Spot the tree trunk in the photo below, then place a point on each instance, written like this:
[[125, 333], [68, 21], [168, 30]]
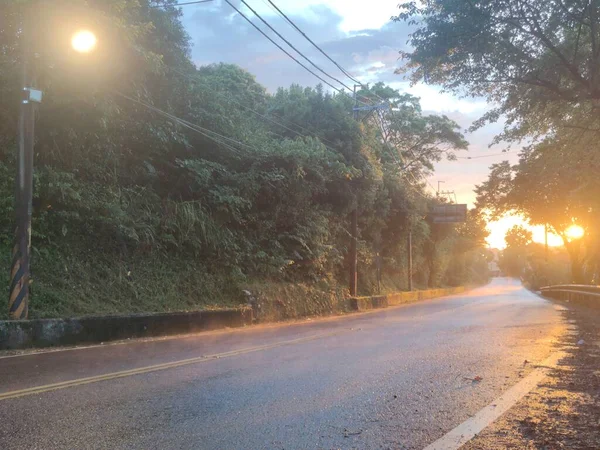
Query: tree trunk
[[574, 251]]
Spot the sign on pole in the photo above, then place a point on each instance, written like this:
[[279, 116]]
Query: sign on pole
[[449, 213]]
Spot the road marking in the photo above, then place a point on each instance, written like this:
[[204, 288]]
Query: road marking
[[467, 430], [157, 367]]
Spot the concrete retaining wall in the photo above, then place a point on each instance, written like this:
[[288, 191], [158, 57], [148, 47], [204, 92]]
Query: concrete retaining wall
[[399, 298], [18, 334]]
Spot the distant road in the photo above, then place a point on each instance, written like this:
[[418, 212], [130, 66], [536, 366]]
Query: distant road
[[396, 378]]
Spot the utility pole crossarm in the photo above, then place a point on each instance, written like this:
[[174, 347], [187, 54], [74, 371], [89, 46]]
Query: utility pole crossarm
[[381, 106]]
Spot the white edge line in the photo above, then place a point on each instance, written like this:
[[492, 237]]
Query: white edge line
[[471, 427]]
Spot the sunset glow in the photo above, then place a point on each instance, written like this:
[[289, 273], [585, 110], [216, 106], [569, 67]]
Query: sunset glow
[[499, 228]]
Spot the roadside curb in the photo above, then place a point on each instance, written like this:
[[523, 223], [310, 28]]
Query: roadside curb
[[399, 298], [43, 333], [21, 334]]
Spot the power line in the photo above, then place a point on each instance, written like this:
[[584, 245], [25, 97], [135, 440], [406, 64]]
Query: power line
[[192, 3], [279, 46], [182, 4], [287, 42], [344, 71], [286, 52], [203, 131], [271, 8], [293, 24], [198, 80], [276, 9], [291, 45], [483, 156]]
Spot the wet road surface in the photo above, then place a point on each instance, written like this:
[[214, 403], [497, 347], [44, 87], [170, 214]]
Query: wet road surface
[[395, 378]]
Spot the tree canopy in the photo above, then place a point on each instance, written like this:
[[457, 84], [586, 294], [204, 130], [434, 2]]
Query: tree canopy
[[159, 180], [539, 62], [538, 65]]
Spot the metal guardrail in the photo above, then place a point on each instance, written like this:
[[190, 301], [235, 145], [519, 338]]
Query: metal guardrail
[[581, 293]]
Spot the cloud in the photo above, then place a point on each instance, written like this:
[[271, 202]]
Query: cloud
[[218, 35]]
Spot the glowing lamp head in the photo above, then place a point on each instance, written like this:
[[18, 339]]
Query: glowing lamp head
[[84, 41], [575, 232]]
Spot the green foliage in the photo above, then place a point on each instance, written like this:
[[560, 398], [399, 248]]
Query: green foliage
[[538, 63], [552, 188], [537, 60], [518, 236], [513, 259], [531, 262], [134, 211]]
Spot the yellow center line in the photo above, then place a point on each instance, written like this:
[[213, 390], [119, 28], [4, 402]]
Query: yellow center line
[[157, 367]]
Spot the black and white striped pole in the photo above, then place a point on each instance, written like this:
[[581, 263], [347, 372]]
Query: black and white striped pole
[[20, 274], [83, 41]]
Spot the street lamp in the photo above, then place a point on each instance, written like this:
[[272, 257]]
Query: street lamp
[[83, 41]]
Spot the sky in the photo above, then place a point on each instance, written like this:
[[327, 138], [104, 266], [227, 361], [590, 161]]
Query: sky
[[361, 37]]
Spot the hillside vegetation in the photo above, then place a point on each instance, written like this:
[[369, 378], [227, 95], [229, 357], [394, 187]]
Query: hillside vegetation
[[138, 211]]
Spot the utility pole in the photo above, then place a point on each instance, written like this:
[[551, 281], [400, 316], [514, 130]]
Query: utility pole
[[354, 216], [378, 267], [546, 241], [20, 274], [410, 261], [438, 189], [354, 228]]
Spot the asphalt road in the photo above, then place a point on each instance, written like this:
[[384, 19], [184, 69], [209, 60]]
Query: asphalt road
[[396, 378]]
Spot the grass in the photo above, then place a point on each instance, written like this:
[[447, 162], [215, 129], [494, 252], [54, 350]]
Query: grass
[[86, 281], [281, 301], [80, 280]]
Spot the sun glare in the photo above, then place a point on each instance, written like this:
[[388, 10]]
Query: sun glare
[[84, 41], [575, 232], [499, 228]]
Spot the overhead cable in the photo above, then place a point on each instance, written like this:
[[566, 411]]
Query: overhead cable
[[291, 45], [291, 22], [483, 156], [340, 91], [203, 131], [198, 80]]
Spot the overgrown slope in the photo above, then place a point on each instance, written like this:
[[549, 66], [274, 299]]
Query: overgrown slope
[[162, 186]]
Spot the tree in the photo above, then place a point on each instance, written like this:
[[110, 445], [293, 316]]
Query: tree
[[415, 140], [518, 237], [538, 61], [513, 260], [548, 187]]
